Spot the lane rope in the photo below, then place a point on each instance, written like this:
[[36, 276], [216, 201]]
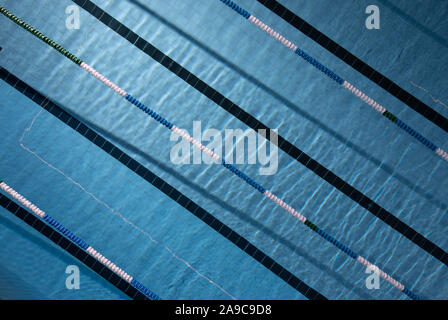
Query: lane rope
[[355, 63], [213, 155], [332, 75], [78, 241], [71, 248]]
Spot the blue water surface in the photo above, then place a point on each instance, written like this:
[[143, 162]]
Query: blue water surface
[[162, 244]]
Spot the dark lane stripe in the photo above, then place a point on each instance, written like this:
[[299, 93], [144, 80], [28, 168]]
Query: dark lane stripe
[[162, 185], [356, 63], [255, 124], [55, 236]]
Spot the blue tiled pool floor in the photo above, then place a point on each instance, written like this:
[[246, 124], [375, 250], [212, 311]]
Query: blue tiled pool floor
[[148, 234]]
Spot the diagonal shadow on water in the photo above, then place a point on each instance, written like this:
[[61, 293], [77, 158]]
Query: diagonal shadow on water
[[238, 213], [406, 17], [388, 169]]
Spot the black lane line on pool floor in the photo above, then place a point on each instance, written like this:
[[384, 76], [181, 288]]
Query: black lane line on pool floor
[[55, 236], [162, 185], [255, 124], [356, 63]]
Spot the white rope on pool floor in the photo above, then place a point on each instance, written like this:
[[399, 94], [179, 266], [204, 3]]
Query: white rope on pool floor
[[117, 212]]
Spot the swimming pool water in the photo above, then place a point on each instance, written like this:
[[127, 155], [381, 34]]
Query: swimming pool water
[[151, 236]]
